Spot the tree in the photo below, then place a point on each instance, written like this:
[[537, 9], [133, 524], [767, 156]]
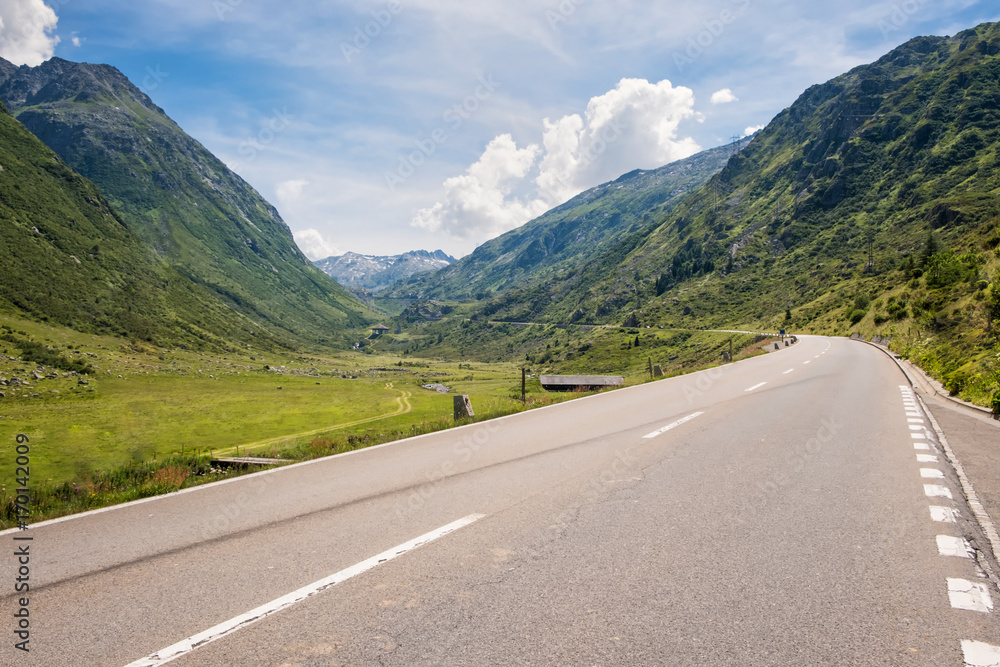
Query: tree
[[931, 247]]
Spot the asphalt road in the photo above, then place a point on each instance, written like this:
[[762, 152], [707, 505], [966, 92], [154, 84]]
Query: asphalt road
[[783, 518]]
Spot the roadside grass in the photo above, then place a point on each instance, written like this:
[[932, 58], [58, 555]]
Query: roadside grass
[[148, 421]]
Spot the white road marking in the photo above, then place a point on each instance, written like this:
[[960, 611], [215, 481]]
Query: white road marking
[[953, 546], [936, 491], [978, 654], [921, 446], [221, 630], [944, 514], [807, 362], [927, 458], [671, 426], [967, 595], [914, 427], [913, 420], [756, 386], [913, 414], [931, 473], [917, 436], [788, 371]]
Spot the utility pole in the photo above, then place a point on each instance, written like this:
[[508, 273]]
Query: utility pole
[[523, 385]]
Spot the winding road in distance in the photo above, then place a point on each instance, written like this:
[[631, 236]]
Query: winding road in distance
[[791, 509]]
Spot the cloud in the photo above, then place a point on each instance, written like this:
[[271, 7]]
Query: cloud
[[480, 202], [750, 130], [289, 191], [315, 245], [635, 125], [76, 41], [26, 31], [724, 96]]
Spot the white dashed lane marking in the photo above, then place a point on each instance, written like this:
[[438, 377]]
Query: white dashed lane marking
[[953, 546], [672, 426], [756, 386], [978, 654], [944, 514], [926, 458], [232, 625], [937, 491], [931, 473], [970, 596]]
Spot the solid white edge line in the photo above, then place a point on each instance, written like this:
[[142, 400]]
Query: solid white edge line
[[188, 645], [756, 386], [672, 426]]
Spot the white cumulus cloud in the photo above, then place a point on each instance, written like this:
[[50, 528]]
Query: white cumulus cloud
[[315, 245], [724, 96], [753, 128], [289, 191], [633, 126], [26, 28], [482, 201]]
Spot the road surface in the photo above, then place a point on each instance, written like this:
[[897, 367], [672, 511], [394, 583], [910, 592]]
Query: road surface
[[791, 509]]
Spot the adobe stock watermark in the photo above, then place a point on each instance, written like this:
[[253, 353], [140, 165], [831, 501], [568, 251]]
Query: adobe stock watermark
[[257, 492], [714, 29], [898, 16], [253, 145], [154, 77], [463, 451], [595, 487], [362, 36], [225, 7], [702, 383], [427, 146], [562, 13], [797, 461]]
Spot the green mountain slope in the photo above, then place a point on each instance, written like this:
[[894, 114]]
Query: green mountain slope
[[204, 220], [66, 257], [899, 158], [570, 235]]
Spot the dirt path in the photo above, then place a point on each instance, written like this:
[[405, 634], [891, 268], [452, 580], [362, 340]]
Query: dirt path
[[402, 401]]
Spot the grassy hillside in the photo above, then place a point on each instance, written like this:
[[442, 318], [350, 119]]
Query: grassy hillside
[[570, 235], [898, 158], [66, 257], [207, 223]]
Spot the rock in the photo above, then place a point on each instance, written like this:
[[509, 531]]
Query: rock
[[53, 391], [38, 376], [3, 395]]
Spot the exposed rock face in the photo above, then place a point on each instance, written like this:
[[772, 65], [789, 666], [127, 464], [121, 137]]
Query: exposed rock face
[[376, 273]]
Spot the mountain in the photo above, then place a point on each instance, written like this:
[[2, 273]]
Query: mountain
[[68, 258], [572, 234], [870, 204], [203, 219], [374, 274]]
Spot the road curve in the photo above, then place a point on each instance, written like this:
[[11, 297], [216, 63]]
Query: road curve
[[791, 509]]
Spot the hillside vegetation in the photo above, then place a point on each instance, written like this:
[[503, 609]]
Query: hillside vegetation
[[567, 237], [871, 205], [202, 219]]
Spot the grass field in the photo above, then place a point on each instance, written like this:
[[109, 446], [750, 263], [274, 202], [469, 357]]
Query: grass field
[[144, 420]]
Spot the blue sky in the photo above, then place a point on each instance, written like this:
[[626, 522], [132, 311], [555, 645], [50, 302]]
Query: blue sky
[[385, 126]]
